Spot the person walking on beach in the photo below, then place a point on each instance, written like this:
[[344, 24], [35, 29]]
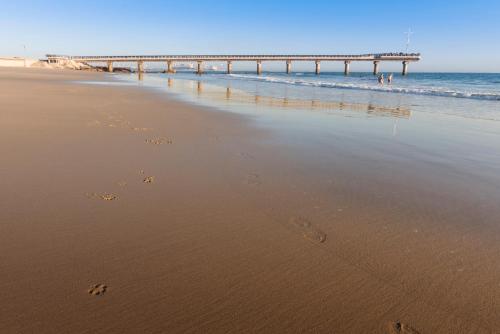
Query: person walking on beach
[[381, 79], [389, 78]]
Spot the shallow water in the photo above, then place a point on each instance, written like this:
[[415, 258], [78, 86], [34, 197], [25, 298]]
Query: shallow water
[[468, 95], [446, 132]]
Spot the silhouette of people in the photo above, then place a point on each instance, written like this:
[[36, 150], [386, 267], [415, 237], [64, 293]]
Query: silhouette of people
[[389, 78]]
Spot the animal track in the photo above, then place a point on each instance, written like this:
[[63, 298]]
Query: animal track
[[159, 141], [97, 290], [400, 328], [149, 179], [109, 197], [308, 230], [105, 197], [140, 129], [113, 123]]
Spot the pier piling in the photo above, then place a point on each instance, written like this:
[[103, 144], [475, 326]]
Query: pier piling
[[140, 66], [288, 67], [200, 68], [405, 67], [229, 67], [259, 67], [170, 67], [110, 66], [347, 64], [375, 67], [318, 67]]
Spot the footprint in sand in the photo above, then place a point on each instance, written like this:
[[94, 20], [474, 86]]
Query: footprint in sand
[[97, 290], [159, 141], [109, 197], [140, 129], [307, 230], [148, 179], [252, 179], [119, 123], [104, 197], [122, 183], [400, 328]]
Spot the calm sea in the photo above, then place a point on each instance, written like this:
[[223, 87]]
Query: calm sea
[[474, 95]]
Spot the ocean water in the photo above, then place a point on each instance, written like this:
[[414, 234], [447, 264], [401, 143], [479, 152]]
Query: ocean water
[[460, 85], [471, 95]]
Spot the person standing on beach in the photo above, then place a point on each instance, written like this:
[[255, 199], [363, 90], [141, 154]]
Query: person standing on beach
[[389, 78], [381, 79]]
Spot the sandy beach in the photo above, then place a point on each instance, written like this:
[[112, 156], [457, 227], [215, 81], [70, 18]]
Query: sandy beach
[[124, 210]]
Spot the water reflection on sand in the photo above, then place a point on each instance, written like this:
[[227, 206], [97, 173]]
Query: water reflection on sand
[[222, 95]]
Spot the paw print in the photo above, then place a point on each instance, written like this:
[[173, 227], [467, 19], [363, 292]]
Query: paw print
[[97, 290], [149, 179], [109, 197]]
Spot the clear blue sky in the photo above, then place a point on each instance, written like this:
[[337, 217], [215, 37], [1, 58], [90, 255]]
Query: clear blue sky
[[451, 35]]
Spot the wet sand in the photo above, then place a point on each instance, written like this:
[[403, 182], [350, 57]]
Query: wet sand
[[123, 210]]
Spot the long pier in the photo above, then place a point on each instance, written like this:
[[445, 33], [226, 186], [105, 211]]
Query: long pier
[[376, 59]]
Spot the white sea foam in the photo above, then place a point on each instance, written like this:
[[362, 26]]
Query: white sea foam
[[369, 86]]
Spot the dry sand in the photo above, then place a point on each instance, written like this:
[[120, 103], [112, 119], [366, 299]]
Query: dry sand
[[123, 211], [17, 62]]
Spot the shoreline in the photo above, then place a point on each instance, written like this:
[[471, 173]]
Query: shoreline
[[221, 224]]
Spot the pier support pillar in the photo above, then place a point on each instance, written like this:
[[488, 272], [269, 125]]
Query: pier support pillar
[[347, 65], [259, 67], [288, 67], [170, 67], [200, 68], [318, 67], [375, 67], [110, 66], [405, 67], [140, 66], [229, 67]]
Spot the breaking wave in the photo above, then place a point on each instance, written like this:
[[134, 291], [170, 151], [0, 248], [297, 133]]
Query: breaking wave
[[431, 91]]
